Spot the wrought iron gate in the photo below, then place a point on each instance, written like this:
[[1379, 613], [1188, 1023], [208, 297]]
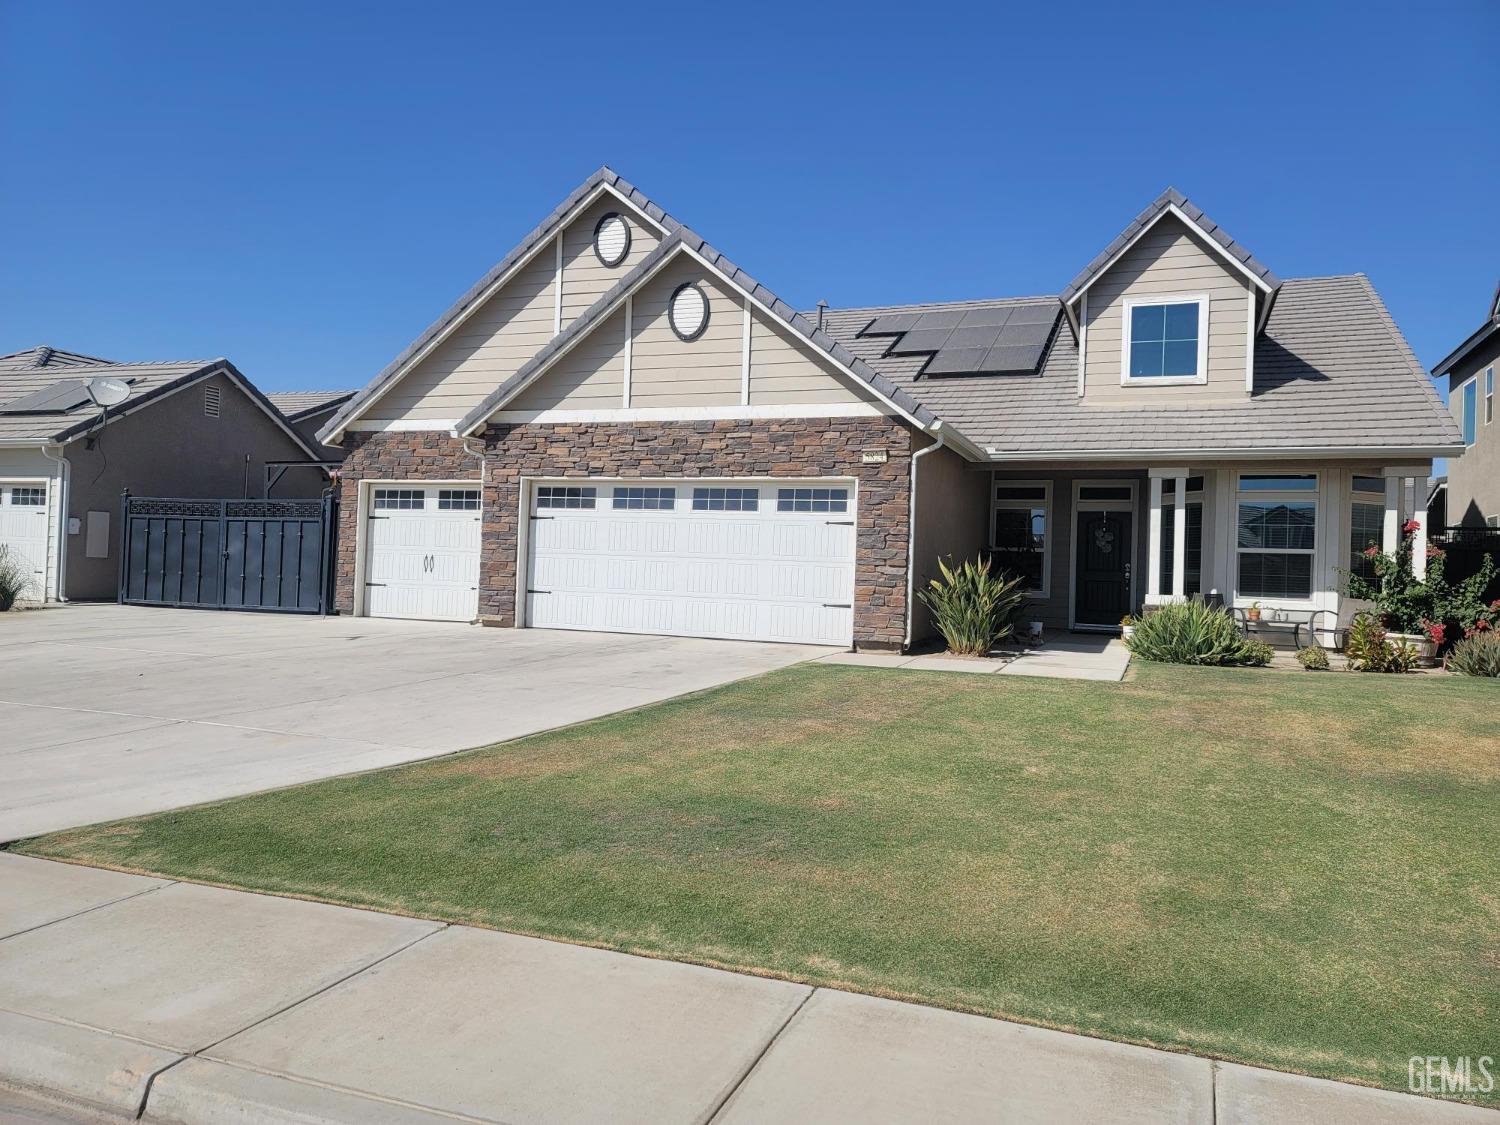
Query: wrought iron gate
[[271, 555]]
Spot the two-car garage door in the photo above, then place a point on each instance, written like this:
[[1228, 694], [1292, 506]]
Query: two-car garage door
[[744, 559]]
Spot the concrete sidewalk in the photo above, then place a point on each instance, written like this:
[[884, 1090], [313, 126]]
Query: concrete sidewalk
[[1074, 657], [186, 1003]]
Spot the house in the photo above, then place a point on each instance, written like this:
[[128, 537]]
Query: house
[[189, 429], [1474, 478], [618, 429], [309, 412]]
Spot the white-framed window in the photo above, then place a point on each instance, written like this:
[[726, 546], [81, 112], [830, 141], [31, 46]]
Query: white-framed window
[[1489, 395], [400, 499], [458, 499], [1468, 410], [1164, 340], [812, 499], [1366, 523], [1020, 511], [637, 498], [1276, 534], [1192, 580], [28, 497], [565, 496], [715, 499]]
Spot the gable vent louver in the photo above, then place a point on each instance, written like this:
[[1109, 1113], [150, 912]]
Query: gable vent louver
[[211, 397]]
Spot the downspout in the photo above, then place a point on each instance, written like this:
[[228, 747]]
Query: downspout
[[911, 535], [479, 453], [64, 496]]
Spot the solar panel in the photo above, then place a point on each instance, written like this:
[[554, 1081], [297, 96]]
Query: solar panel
[[59, 398], [992, 340]]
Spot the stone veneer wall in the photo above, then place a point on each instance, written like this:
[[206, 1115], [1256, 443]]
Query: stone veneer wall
[[805, 447]]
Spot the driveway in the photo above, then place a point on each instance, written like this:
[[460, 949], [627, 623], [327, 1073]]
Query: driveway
[[111, 711]]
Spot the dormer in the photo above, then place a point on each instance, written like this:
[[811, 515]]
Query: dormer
[[1168, 313]]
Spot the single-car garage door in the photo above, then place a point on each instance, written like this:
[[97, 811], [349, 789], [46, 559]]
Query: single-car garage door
[[744, 559], [422, 552], [23, 530]]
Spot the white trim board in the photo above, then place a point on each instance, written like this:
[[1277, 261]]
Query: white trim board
[[1132, 506], [1128, 304], [696, 413]]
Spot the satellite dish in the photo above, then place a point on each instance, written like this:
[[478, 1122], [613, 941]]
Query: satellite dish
[[108, 392]]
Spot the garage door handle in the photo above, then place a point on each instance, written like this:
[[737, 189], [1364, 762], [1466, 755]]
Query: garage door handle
[[839, 523], [837, 605], [544, 517], [539, 591], [374, 583]]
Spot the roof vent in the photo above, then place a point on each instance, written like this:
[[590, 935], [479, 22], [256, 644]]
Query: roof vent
[[822, 309], [43, 354], [211, 397]]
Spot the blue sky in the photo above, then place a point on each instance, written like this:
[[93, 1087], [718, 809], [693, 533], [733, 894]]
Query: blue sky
[[304, 187]]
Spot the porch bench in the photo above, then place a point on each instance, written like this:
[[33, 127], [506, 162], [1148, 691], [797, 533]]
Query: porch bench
[[1292, 621]]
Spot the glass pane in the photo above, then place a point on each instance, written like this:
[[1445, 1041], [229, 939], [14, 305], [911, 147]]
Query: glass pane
[[1020, 492], [1370, 484], [1147, 322], [1104, 492], [1182, 322], [1020, 538], [1180, 357], [1277, 525], [1366, 527], [1299, 483], [1468, 412], [1275, 576], [1145, 360]]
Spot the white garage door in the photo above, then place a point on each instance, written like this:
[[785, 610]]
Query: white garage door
[[23, 529], [749, 560], [422, 552]]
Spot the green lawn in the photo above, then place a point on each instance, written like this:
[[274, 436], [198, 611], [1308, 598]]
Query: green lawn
[[1295, 870]]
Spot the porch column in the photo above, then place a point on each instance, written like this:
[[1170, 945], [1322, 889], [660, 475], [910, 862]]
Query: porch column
[[1153, 543], [1391, 532], [1179, 540], [1419, 538]]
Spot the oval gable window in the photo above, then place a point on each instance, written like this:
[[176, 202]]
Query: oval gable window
[[611, 239], [688, 311]]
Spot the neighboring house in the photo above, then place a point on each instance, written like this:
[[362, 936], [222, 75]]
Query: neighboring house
[[1437, 503], [617, 429], [1474, 478], [309, 412], [193, 428]]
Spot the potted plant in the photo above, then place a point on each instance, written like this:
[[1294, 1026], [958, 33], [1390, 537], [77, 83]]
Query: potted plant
[[1127, 627], [1253, 613]]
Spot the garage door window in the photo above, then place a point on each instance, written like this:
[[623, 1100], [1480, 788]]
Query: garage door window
[[400, 499], [634, 499], [30, 497], [458, 499], [564, 496], [812, 499], [726, 499]]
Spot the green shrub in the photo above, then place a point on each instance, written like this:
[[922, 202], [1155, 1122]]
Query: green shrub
[[14, 578], [1313, 658], [1194, 633], [1369, 649], [1477, 655], [972, 607]]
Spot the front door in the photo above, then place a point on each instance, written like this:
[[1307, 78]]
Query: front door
[[1103, 549]]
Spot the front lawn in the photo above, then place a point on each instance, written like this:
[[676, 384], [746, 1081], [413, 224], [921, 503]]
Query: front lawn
[[1295, 870]]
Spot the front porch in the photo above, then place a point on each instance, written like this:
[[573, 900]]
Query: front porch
[[1101, 542]]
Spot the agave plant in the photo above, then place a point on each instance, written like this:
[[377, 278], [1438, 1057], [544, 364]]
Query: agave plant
[[1194, 633], [972, 606], [1476, 655]]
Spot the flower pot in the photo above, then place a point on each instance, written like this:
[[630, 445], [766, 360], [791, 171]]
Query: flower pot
[[1252, 615], [1126, 632], [1426, 650]]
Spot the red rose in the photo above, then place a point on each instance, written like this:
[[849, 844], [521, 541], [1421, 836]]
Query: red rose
[[1409, 526]]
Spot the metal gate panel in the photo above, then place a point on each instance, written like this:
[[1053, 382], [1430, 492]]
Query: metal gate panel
[[270, 555]]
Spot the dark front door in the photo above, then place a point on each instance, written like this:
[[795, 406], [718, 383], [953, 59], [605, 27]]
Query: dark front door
[[1103, 575]]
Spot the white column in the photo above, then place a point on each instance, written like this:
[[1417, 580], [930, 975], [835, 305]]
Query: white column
[[1179, 540], [1419, 539], [1226, 532], [1391, 535], [1153, 544]]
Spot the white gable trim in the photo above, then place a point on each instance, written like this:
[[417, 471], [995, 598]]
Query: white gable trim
[[741, 412], [1177, 212], [892, 408], [553, 243]]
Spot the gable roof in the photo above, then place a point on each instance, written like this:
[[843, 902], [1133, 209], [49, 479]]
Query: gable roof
[[1333, 375], [684, 241], [298, 404], [23, 374], [605, 179], [1172, 202], [1476, 339]]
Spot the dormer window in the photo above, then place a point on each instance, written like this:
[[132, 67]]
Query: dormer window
[[1166, 340]]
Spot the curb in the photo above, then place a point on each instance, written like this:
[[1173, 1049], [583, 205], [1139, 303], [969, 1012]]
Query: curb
[[75, 1063]]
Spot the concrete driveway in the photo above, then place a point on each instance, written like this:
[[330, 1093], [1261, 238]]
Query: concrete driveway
[[110, 711]]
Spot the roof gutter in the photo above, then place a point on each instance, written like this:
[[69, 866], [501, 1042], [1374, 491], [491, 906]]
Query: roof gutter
[[997, 455], [911, 532]]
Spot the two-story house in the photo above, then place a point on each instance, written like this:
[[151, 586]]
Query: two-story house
[[618, 429], [1473, 487]]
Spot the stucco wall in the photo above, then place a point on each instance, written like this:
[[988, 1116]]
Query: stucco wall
[[1474, 478], [821, 447], [171, 449], [953, 506]]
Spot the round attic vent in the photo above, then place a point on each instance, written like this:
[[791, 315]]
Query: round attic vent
[[688, 311], [612, 239]]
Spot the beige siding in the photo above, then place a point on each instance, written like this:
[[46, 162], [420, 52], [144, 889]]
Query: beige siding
[[590, 377], [784, 372], [585, 278], [668, 372], [1169, 259]]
